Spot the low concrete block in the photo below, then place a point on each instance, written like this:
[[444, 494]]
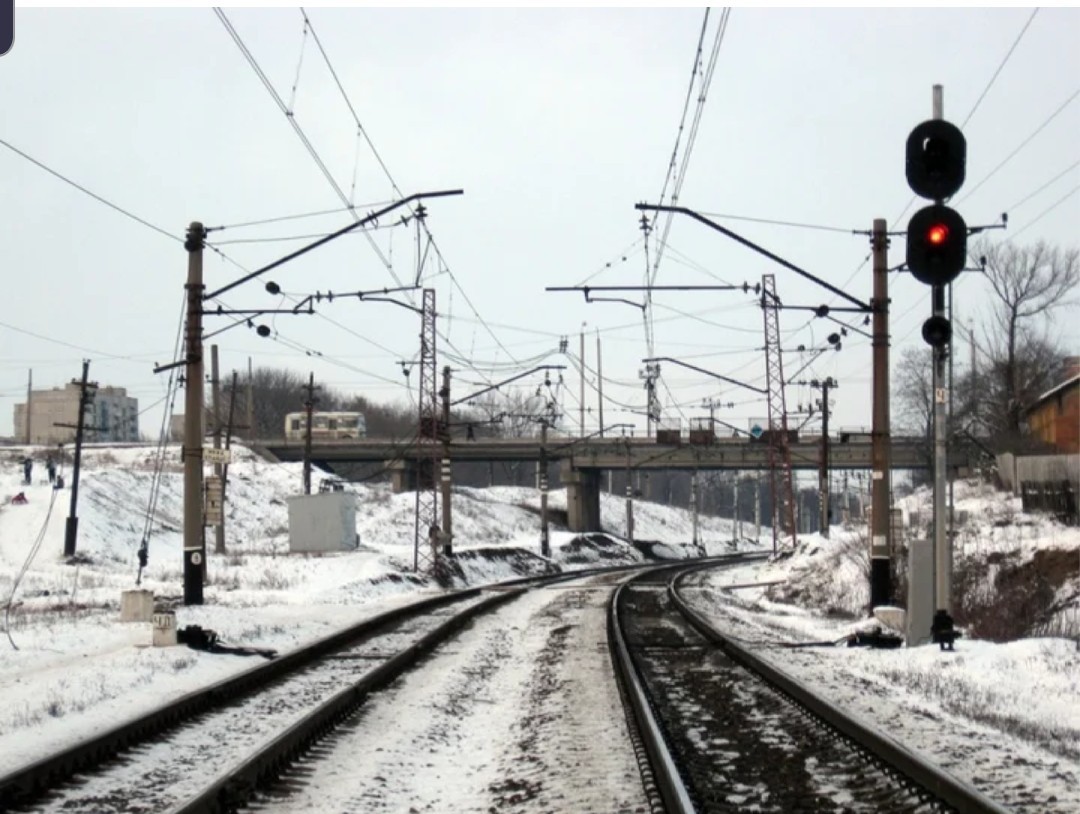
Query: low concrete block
[[164, 629], [136, 606], [891, 616]]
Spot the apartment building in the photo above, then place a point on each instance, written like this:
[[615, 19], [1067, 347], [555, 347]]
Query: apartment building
[[112, 416]]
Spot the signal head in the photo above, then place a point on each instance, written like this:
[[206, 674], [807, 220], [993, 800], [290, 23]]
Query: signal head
[[936, 245], [937, 331], [936, 158]]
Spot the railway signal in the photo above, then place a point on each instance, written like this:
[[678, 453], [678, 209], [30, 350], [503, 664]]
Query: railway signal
[[935, 165], [936, 245]]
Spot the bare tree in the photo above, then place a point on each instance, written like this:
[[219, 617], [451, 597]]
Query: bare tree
[[276, 392], [913, 392], [1028, 283]]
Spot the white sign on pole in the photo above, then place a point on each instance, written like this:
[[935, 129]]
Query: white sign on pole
[[216, 456], [212, 512]]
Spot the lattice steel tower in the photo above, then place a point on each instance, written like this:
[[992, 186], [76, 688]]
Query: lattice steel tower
[[428, 445], [783, 502]]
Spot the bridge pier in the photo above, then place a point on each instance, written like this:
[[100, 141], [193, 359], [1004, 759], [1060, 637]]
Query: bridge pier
[[402, 475], [582, 497]]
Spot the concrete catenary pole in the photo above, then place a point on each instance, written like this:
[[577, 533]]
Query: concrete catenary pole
[[600, 387], [694, 506], [823, 470], [446, 469], [757, 506], [545, 539], [880, 576], [193, 420], [582, 390], [734, 506], [309, 408], [629, 497], [215, 395]]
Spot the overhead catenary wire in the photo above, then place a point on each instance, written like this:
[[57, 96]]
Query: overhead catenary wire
[[677, 178], [386, 170], [234, 34]]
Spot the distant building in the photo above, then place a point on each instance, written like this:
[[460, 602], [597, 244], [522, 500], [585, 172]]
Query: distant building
[[1055, 416], [176, 425], [112, 416]]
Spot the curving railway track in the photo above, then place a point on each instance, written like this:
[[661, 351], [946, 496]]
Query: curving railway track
[[725, 731]]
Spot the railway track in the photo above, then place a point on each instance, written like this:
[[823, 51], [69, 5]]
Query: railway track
[[243, 730], [725, 731]]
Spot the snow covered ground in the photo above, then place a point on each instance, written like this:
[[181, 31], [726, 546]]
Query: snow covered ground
[[69, 668]]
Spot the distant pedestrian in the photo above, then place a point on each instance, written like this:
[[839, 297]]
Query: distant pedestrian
[[50, 467], [434, 538], [27, 467]]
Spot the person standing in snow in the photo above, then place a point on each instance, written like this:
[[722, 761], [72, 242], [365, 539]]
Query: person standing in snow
[[50, 467], [28, 466]]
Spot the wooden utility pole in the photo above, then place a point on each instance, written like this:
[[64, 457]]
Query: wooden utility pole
[[309, 407], [193, 420], [86, 396], [880, 568], [250, 402], [29, 404]]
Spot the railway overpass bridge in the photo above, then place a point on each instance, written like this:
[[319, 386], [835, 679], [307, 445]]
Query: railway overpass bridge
[[584, 460]]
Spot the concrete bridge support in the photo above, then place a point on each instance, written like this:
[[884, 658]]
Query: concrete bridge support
[[402, 475], [582, 497]]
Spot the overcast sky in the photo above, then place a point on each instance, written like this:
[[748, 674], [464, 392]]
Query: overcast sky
[[555, 123]]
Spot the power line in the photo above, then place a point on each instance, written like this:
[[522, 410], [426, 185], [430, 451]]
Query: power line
[[93, 195], [335, 211], [1045, 212], [993, 78], [1023, 144], [1028, 197], [97, 353], [783, 223]]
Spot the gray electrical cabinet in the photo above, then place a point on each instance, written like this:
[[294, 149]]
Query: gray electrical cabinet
[[322, 522]]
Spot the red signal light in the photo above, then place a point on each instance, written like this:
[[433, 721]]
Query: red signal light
[[937, 234]]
